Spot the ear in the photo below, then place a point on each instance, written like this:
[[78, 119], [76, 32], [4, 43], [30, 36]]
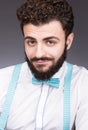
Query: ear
[[69, 40]]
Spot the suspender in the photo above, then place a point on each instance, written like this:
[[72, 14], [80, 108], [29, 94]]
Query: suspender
[[66, 109], [11, 90], [9, 97]]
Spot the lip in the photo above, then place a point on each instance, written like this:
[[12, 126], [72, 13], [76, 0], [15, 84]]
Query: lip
[[41, 62]]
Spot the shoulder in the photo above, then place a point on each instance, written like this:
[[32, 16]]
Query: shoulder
[[77, 71], [5, 77], [80, 72], [6, 73], [8, 70], [80, 79]]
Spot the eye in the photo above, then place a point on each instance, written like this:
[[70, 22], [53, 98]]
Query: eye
[[30, 42], [51, 42]]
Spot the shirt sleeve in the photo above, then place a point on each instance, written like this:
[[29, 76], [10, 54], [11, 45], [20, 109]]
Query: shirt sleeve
[[81, 122], [5, 77]]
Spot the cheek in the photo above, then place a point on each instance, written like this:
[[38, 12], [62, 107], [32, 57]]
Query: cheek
[[30, 52], [27, 51], [57, 52]]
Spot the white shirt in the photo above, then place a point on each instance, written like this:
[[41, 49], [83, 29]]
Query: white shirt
[[36, 106]]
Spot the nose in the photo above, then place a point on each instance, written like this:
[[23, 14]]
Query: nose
[[40, 50]]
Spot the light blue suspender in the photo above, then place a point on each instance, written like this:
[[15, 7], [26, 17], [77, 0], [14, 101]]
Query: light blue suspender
[[66, 108], [9, 97], [11, 90]]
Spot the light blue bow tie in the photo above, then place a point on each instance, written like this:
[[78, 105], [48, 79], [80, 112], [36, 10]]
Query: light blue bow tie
[[54, 82]]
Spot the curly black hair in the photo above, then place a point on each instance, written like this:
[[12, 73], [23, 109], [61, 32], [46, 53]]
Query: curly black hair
[[39, 12]]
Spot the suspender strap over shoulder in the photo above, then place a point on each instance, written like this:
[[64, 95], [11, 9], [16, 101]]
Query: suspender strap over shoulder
[[66, 109], [9, 96], [11, 91]]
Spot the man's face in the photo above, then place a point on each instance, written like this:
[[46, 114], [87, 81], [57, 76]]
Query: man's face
[[45, 45]]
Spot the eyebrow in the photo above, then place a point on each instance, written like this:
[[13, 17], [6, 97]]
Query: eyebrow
[[47, 38], [28, 37]]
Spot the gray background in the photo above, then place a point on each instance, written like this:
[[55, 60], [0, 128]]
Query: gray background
[[11, 39]]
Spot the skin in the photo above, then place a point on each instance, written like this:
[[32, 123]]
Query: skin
[[47, 40]]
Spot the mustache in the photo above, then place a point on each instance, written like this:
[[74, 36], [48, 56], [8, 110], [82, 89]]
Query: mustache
[[42, 58]]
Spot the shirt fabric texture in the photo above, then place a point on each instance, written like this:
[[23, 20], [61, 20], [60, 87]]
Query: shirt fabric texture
[[30, 101]]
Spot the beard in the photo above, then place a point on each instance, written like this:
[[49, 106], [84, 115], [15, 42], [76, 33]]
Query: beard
[[40, 75]]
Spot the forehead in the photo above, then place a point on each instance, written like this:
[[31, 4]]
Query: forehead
[[53, 28]]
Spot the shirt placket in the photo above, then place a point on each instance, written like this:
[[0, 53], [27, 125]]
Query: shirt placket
[[41, 107]]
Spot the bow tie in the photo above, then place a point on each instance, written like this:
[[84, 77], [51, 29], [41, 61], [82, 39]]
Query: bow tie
[[54, 82]]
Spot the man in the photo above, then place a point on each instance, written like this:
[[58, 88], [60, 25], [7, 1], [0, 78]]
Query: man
[[45, 92]]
